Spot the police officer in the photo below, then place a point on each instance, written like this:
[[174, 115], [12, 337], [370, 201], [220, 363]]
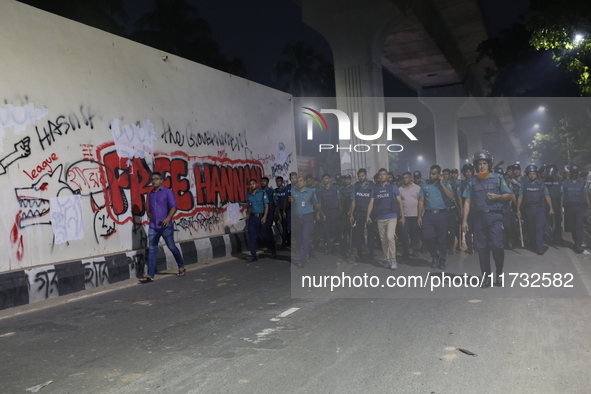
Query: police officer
[[489, 191], [268, 226], [409, 193], [454, 212], [346, 190], [293, 180], [507, 214], [434, 198], [303, 201], [360, 198], [516, 181], [258, 204], [417, 178], [532, 195], [329, 198], [281, 193], [468, 172], [575, 201], [384, 205], [553, 184]]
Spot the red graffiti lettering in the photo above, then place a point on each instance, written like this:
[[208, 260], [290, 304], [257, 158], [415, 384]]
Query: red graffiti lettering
[[45, 165]]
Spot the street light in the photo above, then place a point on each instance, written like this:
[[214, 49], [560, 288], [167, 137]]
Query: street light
[[578, 38], [541, 108], [536, 126], [420, 158]]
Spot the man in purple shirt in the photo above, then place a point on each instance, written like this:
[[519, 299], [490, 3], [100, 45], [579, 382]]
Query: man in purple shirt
[[161, 209]]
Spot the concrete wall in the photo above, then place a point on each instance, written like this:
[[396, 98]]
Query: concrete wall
[[87, 116]]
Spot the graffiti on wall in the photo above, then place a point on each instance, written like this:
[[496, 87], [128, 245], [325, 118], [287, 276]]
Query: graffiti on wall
[[107, 184]]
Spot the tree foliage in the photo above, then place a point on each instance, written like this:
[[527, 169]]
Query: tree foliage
[[571, 138], [306, 72], [519, 69], [564, 29]]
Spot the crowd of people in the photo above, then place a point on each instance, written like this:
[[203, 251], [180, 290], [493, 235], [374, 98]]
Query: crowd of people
[[488, 211]]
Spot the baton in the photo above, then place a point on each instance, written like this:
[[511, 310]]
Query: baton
[[520, 231]]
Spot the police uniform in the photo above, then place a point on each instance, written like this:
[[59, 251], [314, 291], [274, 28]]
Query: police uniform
[[329, 199], [282, 205], [488, 219], [345, 207], [554, 188], [435, 221], [575, 204], [384, 209], [469, 235], [362, 196], [268, 226], [532, 203], [303, 214], [256, 202], [452, 218]]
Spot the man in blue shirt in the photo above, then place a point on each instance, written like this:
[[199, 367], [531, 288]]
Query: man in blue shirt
[[532, 195], [293, 180], [489, 191], [575, 201], [281, 194], [434, 199], [385, 203], [329, 198], [258, 204], [468, 172], [268, 226], [161, 208], [303, 202], [360, 197]]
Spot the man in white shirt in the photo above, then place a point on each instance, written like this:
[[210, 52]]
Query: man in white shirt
[[411, 232]]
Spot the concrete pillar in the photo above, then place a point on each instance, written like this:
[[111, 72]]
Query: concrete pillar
[[356, 31], [444, 104], [474, 129]]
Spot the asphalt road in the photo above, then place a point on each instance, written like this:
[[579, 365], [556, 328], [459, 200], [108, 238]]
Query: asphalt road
[[233, 327]]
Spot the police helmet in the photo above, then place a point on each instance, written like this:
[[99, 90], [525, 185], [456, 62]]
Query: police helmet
[[531, 168], [516, 166], [552, 170], [499, 170], [467, 167], [574, 168], [482, 155], [417, 174], [454, 171]]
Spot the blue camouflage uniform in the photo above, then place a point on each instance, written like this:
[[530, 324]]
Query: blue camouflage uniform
[[282, 204], [532, 205], [575, 204], [488, 220], [470, 220], [435, 221], [268, 226], [329, 199], [303, 211], [554, 188], [362, 195], [256, 202]]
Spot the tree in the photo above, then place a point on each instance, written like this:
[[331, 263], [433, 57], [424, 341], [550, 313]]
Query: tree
[[564, 28], [570, 140], [102, 14], [307, 73], [519, 69], [174, 26]]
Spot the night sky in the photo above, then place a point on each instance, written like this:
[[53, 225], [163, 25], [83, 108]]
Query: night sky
[[257, 31]]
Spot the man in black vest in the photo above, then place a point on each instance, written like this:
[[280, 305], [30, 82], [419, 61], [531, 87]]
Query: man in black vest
[[553, 184], [532, 195], [385, 204], [360, 198], [575, 200]]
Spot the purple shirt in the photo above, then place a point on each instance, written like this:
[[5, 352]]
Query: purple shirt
[[159, 204]]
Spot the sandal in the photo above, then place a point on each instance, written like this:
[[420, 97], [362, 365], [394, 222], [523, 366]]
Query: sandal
[[146, 279], [182, 272]]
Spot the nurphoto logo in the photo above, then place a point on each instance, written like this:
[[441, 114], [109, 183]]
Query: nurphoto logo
[[344, 129]]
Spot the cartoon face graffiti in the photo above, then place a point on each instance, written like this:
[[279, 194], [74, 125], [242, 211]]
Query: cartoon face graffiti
[[34, 200]]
